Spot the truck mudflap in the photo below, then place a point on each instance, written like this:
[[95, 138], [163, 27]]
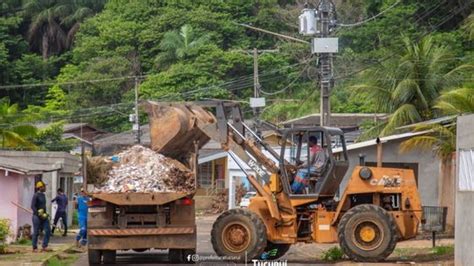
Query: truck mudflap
[[141, 231]]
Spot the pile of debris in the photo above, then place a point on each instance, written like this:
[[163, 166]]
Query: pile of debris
[[140, 169]]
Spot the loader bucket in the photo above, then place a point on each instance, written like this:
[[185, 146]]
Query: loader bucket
[[173, 127]]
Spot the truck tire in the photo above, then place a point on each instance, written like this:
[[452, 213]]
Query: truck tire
[[367, 233], [240, 234], [274, 251], [94, 256], [109, 256]]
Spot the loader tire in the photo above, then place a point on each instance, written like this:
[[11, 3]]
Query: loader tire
[[239, 234], [94, 256], [274, 251], [367, 233]]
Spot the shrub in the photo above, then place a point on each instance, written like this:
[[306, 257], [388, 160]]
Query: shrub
[[332, 254], [4, 233]]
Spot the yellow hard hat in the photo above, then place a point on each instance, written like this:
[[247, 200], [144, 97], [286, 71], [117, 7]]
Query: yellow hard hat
[[39, 184]]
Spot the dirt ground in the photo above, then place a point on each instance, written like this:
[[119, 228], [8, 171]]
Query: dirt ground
[[413, 252]]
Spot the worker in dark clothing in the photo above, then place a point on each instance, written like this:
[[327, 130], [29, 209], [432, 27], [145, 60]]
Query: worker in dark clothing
[[61, 200], [40, 217]]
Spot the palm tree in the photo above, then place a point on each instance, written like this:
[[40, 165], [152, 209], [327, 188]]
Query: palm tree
[[44, 32], [469, 26], [458, 101], [77, 12], [442, 139], [12, 133], [408, 86], [54, 23], [176, 46]]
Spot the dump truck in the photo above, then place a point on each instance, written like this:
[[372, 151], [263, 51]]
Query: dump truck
[[142, 221], [374, 209]]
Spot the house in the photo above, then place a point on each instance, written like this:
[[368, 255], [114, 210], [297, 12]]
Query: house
[[81, 130], [19, 171]]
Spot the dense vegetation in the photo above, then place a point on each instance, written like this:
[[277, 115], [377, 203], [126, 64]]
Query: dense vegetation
[[83, 57]]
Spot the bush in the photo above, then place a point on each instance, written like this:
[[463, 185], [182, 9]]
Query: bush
[[332, 254], [4, 233]]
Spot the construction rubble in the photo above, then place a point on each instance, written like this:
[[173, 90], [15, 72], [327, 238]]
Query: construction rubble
[[139, 169]]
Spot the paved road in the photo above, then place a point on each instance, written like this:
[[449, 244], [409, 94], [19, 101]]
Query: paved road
[[299, 254]]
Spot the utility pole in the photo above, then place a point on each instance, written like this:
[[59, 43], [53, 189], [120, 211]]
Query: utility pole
[[325, 64], [136, 120], [319, 22], [256, 90]]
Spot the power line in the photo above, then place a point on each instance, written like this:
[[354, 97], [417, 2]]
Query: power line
[[371, 18]]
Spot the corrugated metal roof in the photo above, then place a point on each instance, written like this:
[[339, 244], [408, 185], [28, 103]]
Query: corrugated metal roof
[[24, 167], [373, 142], [337, 119]]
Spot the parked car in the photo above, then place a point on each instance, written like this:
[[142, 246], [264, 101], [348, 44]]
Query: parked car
[[244, 203]]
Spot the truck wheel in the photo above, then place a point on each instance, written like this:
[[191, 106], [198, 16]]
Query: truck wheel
[[367, 233], [239, 233], [109, 256], [274, 251], [95, 256]]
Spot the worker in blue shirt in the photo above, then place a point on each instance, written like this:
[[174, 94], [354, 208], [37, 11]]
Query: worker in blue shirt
[[40, 217], [82, 200], [61, 200]]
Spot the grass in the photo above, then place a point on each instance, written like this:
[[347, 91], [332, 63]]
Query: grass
[[62, 260], [332, 254], [23, 242], [443, 250]]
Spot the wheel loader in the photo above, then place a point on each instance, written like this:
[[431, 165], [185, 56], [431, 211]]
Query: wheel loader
[[373, 209]]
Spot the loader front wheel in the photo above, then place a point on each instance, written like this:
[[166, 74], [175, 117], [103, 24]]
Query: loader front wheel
[[367, 233], [239, 235]]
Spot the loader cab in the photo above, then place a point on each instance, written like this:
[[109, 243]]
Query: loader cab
[[297, 144]]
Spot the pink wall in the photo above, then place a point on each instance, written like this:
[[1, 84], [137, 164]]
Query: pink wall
[[19, 189]]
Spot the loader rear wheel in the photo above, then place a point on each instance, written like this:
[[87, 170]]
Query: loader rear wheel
[[274, 251], [239, 233], [367, 233]]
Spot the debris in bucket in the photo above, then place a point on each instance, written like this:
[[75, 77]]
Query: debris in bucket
[[140, 169]]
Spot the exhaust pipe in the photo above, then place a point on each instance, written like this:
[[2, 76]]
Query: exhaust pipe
[[379, 152], [361, 159]]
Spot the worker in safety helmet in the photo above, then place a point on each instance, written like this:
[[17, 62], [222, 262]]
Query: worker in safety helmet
[[40, 217], [315, 165], [82, 208]]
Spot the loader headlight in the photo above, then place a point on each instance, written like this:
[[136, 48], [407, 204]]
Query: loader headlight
[[365, 173]]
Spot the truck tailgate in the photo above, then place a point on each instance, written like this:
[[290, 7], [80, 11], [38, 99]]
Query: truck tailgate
[[132, 198]]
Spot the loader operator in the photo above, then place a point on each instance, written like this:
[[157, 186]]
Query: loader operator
[[314, 166]]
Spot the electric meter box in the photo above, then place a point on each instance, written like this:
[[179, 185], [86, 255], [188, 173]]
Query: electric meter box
[[308, 22], [324, 45], [257, 102]]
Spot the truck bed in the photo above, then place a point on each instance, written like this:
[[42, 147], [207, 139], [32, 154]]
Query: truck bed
[[137, 198]]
